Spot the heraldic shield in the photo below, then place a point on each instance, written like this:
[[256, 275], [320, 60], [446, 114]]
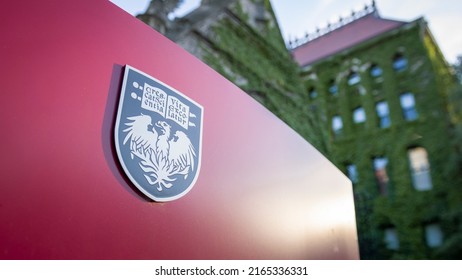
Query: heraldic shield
[[158, 136]]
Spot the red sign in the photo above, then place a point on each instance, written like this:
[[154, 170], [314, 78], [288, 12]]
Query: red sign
[[262, 191]]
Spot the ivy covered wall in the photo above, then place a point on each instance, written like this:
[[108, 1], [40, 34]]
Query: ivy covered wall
[[254, 57], [401, 207], [241, 40]]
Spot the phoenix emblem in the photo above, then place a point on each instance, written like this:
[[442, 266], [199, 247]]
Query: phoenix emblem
[[162, 155], [158, 136]]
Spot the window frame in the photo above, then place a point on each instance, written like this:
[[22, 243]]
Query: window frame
[[434, 235], [382, 180], [391, 238], [400, 62], [353, 176], [384, 119], [312, 93], [375, 67], [409, 112], [353, 78], [359, 111], [421, 175], [333, 88], [338, 131]]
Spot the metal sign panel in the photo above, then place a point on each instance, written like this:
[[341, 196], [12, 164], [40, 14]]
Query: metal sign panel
[[262, 191], [158, 136]]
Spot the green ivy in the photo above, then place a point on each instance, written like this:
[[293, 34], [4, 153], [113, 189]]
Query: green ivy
[[408, 210], [258, 62]]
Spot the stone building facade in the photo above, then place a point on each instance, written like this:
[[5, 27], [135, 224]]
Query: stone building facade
[[241, 40]]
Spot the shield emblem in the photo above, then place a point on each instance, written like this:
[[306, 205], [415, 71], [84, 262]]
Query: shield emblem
[[158, 136]]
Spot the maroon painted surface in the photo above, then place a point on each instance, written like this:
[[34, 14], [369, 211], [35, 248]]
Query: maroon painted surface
[[262, 192]]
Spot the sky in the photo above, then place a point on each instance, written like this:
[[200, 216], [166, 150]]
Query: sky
[[296, 17]]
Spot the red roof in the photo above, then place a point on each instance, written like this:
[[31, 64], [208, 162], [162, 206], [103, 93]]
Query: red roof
[[350, 34]]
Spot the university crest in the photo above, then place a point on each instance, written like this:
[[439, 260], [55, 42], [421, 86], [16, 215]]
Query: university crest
[[158, 136]]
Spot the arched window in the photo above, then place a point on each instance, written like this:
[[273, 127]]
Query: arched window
[[399, 63], [353, 78], [420, 169], [375, 71], [312, 93], [407, 101], [333, 88]]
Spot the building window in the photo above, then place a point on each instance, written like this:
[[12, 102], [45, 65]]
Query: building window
[[375, 71], [337, 125], [399, 63], [352, 173], [380, 169], [391, 239], [433, 235], [333, 88], [420, 169], [408, 106], [353, 78], [383, 114], [312, 93], [359, 115]]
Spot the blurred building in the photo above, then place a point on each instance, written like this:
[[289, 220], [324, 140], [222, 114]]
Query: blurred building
[[382, 86], [241, 40], [372, 96]]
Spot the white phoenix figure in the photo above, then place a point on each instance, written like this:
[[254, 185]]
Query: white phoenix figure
[[163, 154]]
